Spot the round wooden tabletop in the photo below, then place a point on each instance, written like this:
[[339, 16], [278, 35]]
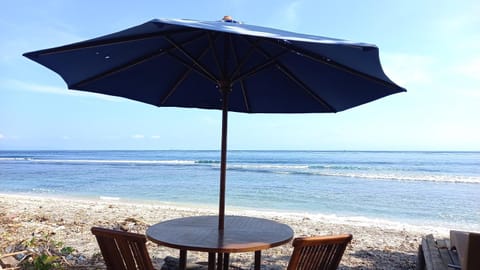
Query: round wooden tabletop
[[200, 233]]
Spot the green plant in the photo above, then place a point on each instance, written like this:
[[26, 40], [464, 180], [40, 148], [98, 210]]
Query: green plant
[[46, 253], [67, 250], [46, 262]]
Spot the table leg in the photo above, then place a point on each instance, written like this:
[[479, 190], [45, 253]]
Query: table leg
[[211, 260], [220, 261], [182, 264], [226, 258], [258, 259]]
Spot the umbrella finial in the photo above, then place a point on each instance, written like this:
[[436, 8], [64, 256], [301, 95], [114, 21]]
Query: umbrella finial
[[228, 18]]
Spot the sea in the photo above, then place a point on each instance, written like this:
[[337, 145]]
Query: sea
[[440, 189]]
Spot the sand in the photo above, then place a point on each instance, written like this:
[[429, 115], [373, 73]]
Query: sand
[[375, 245]]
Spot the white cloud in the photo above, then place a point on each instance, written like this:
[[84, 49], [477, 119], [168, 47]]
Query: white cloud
[[156, 137], [462, 29], [13, 47], [406, 69], [138, 136], [2, 136], [469, 68], [34, 87], [291, 13], [468, 20]]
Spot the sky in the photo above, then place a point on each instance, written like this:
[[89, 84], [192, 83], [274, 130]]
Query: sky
[[431, 48]]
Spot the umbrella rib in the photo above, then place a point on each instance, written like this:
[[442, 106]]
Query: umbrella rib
[[305, 87], [327, 61], [98, 43], [191, 58], [242, 84], [226, 46], [297, 81], [188, 65], [245, 97], [259, 67], [182, 79], [174, 88], [247, 55], [129, 64], [212, 47]]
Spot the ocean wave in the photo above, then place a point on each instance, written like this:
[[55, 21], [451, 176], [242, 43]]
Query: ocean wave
[[110, 161], [43, 190], [327, 170], [412, 177], [14, 158], [267, 166], [113, 161], [355, 172], [207, 162]]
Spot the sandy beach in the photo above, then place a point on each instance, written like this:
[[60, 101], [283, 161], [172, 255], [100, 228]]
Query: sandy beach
[[375, 245]]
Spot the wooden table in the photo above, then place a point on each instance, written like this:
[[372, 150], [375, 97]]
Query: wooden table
[[200, 233]]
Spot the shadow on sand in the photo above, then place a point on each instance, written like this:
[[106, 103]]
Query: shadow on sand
[[364, 259]]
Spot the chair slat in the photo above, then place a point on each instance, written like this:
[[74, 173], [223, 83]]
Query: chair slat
[[123, 250], [320, 252]]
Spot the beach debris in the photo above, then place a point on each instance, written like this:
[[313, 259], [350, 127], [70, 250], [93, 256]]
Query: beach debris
[[172, 263], [8, 260], [131, 224]]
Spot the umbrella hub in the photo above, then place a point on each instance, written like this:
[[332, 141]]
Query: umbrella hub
[[225, 86]]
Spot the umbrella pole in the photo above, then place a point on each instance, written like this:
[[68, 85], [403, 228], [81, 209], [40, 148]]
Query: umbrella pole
[[225, 89]]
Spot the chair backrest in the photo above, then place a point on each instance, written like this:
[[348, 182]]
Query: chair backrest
[[318, 252], [123, 250], [468, 248]]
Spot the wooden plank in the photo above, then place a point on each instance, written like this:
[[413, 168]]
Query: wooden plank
[[427, 255], [447, 242], [420, 265], [455, 260], [442, 247], [445, 256], [433, 259], [441, 243]]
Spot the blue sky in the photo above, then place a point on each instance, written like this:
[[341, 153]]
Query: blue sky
[[432, 48]]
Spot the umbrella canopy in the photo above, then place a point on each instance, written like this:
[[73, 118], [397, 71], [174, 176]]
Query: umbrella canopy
[[223, 65]]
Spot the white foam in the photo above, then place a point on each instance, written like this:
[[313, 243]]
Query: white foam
[[108, 198], [325, 171], [14, 158], [406, 177], [115, 161]]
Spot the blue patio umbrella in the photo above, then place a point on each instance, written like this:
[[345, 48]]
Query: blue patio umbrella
[[224, 65]]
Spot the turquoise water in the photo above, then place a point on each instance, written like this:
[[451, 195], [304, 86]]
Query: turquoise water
[[418, 188]]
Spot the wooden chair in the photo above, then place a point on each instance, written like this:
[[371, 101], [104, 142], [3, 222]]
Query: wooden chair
[[318, 252], [123, 250]]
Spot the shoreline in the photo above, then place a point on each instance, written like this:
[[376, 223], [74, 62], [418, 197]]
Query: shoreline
[[240, 210], [374, 245]]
